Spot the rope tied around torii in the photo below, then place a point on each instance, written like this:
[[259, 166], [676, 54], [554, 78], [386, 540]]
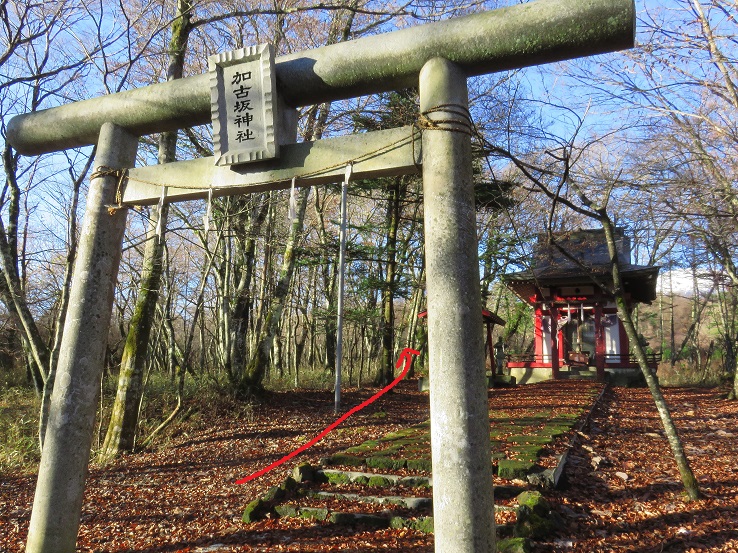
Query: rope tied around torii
[[121, 175], [465, 126], [461, 123]]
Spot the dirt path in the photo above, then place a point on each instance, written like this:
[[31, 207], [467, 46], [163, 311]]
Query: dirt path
[[624, 492]]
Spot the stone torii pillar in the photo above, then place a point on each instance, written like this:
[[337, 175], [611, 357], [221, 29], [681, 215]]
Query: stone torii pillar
[[61, 477], [442, 55], [463, 505]]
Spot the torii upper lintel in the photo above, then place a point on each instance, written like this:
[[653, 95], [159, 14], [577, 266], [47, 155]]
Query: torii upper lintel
[[498, 40]]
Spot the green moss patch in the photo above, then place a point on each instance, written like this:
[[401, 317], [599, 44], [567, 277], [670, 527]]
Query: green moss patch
[[385, 463], [313, 513], [337, 477], [421, 465], [556, 430], [379, 481], [527, 452], [286, 510], [256, 510], [415, 482], [532, 439], [510, 468], [514, 545], [422, 524], [344, 460]]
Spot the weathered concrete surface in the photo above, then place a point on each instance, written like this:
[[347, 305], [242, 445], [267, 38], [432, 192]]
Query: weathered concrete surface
[[481, 43], [397, 152], [531, 376], [63, 470], [462, 473]]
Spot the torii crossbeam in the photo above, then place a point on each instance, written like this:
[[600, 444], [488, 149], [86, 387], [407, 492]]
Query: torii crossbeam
[[437, 56]]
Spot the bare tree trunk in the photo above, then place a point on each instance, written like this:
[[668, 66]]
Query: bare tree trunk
[[388, 292], [688, 479], [253, 376], [329, 274], [124, 418]]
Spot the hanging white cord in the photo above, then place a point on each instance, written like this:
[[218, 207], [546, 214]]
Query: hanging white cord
[[348, 173], [160, 222], [341, 280], [208, 213], [292, 210]]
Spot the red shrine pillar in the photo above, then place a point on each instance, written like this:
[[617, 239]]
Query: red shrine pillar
[[554, 342], [599, 343]]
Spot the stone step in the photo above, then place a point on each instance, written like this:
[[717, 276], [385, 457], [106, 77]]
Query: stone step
[[335, 476], [397, 500], [422, 523]]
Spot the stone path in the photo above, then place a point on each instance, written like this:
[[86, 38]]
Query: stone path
[[387, 482]]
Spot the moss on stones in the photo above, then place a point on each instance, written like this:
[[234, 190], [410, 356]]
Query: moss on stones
[[527, 452], [423, 465], [342, 519], [535, 518], [385, 463], [337, 477], [288, 485], [314, 513], [513, 545], [422, 524], [273, 494], [345, 460], [256, 510], [531, 525], [304, 472], [554, 430], [379, 481], [510, 469], [535, 502], [286, 510], [415, 482]]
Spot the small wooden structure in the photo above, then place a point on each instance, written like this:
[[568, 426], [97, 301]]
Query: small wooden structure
[[576, 321]]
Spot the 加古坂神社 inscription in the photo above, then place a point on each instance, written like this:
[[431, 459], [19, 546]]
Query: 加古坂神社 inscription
[[243, 105]]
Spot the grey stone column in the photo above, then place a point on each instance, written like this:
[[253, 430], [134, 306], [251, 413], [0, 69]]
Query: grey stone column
[[463, 505], [61, 479]]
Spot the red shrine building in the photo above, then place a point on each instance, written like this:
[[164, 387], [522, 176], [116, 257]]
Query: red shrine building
[[577, 329]]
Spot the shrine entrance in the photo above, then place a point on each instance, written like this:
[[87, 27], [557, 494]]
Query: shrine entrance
[[575, 320], [438, 57]]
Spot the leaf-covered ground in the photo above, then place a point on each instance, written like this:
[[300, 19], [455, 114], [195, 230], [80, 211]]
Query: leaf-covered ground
[[623, 492]]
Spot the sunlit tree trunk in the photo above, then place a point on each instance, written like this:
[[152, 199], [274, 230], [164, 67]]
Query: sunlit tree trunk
[[688, 479], [253, 377], [123, 423]]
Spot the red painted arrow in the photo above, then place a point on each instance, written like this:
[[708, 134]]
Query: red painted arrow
[[406, 358]]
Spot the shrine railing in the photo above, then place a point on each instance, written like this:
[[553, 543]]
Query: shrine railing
[[624, 359], [652, 359], [519, 358]]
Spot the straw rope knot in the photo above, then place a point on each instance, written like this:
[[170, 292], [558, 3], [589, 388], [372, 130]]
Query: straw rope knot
[[121, 175]]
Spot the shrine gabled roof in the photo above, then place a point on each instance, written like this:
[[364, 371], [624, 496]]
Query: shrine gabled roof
[[555, 275], [639, 280], [578, 257]]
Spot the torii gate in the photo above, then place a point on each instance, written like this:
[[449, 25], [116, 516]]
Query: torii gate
[[439, 56]]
